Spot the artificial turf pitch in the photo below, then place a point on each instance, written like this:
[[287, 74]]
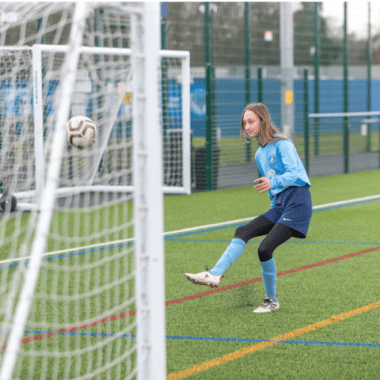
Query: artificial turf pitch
[[333, 272], [327, 325]]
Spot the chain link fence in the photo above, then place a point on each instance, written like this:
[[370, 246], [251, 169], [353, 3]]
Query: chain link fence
[[343, 75]]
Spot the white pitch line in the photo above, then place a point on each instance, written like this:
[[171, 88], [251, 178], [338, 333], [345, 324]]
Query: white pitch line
[[184, 230]]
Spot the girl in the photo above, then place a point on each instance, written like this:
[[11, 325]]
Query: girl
[[285, 179]]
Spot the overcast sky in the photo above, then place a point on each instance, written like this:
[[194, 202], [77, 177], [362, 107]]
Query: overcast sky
[[357, 15]]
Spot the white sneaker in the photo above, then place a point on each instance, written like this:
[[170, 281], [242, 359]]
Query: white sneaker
[[204, 278], [267, 306]]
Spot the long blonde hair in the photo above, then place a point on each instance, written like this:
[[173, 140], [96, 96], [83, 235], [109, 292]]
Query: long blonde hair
[[267, 130]]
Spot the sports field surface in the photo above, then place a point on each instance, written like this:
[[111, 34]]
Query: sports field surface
[[327, 326], [328, 323]]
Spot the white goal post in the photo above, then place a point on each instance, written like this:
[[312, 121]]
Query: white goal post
[[99, 312]]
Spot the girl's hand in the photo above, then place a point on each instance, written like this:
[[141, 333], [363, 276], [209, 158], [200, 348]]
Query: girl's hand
[[264, 184]]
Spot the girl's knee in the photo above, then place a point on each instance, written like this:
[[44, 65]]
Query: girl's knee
[[265, 253], [242, 233]]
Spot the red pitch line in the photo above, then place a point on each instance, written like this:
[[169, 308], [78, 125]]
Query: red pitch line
[[77, 327], [223, 288], [197, 295]]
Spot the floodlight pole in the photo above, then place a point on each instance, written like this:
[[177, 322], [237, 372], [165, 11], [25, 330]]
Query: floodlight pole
[[287, 69]]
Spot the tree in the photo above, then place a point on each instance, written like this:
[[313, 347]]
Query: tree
[[185, 25], [329, 49]]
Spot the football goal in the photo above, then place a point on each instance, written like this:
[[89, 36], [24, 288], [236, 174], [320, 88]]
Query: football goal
[[106, 97], [82, 257]]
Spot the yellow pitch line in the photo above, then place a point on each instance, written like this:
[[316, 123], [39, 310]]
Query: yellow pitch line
[[260, 346]]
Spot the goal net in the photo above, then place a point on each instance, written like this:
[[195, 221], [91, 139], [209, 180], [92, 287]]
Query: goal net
[[100, 92], [81, 274]]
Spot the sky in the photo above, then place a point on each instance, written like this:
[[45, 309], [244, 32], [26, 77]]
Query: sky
[[357, 16]]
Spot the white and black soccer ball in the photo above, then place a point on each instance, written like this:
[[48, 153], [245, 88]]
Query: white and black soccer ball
[[81, 132]]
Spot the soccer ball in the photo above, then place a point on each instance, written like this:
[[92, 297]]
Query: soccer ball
[[81, 132], [8, 202]]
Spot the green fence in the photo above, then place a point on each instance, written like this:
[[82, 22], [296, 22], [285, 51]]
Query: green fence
[[236, 54]]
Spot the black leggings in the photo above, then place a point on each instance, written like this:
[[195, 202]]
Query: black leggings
[[277, 234]]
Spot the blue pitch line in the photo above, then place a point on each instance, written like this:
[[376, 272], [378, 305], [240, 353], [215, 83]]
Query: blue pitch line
[[208, 339], [241, 224], [274, 341], [288, 242], [172, 237], [72, 254], [346, 205]]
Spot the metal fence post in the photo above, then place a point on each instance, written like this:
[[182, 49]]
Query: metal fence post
[[369, 62], [346, 147], [306, 118], [247, 69], [260, 93], [210, 97], [316, 76]]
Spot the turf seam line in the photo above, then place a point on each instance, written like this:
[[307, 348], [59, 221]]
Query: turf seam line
[[273, 341]]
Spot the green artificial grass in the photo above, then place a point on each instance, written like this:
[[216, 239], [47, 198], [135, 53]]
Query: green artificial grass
[[306, 296], [184, 211], [202, 325]]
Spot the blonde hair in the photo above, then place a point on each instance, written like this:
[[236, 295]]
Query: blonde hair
[[267, 130]]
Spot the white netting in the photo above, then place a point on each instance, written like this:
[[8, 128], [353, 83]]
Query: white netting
[[102, 91], [81, 322], [16, 118]]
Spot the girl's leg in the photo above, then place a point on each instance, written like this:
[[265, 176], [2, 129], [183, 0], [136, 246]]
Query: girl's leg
[[257, 227], [277, 236]]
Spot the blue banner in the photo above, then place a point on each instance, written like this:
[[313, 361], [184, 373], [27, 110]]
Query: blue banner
[[197, 102]]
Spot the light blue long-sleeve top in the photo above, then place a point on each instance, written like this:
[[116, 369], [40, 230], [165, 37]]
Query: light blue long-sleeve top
[[279, 162]]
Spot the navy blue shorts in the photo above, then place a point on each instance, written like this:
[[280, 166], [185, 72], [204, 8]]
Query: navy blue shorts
[[292, 208]]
